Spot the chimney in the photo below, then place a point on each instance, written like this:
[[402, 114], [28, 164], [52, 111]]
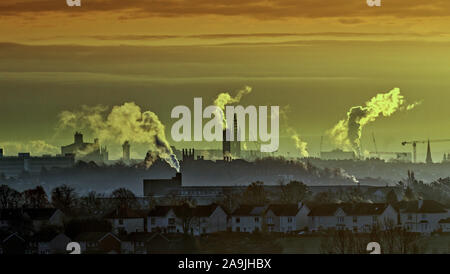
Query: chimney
[[78, 138], [419, 203]]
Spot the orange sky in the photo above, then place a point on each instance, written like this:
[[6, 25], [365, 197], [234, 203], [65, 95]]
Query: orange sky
[[173, 22]]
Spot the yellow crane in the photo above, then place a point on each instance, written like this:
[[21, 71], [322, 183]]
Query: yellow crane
[[414, 145]]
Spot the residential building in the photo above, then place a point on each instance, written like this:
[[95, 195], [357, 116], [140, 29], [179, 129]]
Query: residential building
[[99, 242], [248, 218], [421, 216], [361, 217], [126, 220]]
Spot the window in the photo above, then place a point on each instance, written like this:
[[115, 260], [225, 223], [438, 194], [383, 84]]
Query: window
[[256, 219], [409, 217], [340, 219], [355, 219], [289, 219], [238, 229], [120, 221], [153, 221], [171, 221], [374, 219], [238, 220], [269, 220]]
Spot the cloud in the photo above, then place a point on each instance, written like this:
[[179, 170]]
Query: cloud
[[250, 8]]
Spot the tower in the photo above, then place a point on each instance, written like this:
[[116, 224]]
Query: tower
[[429, 160], [126, 151], [78, 138]]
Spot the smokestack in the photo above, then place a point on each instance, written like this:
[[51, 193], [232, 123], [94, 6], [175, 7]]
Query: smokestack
[[429, 159], [126, 151], [78, 138]]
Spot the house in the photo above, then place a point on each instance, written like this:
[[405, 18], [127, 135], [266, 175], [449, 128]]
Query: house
[[44, 216], [13, 244], [48, 243], [209, 219], [135, 243], [33, 217], [126, 220], [444, 225], [99, 242], [361, 217], [286, 218], [197, 220], [248, 218], [421, 216]]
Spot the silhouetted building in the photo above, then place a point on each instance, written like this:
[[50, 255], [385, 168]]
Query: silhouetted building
[[337, 154], [429, 160], [86, 151], [1, 152], [13, 166]]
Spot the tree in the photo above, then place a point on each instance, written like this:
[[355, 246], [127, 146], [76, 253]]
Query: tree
[[186, 217], [125, 198], [35, 198], [9, 198], [255, 194], [391, 197], [64, 197], [409, 194], [293, 192]]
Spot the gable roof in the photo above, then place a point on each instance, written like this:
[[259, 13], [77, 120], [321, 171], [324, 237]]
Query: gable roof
[[428, 206], [40, 213], [204, 210], [125, 213], [249, 210], [284, 209], [160, 211], [358, 209], [13, 235], [93, 236]]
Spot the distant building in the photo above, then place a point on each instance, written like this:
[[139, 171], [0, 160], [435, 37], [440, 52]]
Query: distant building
[[13, 166], [86, 151], [337, 154]]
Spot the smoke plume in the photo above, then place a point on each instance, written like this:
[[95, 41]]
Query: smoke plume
[[300, 145], [225, 98], [126, 122], [347, 132], [34, 147]]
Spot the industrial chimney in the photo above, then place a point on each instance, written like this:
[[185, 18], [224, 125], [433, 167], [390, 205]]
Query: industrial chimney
[[126, 151]]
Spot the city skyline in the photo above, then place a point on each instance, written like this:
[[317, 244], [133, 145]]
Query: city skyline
[[314, 62]]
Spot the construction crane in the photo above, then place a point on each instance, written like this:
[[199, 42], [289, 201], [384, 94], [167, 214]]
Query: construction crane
[[414, 145]]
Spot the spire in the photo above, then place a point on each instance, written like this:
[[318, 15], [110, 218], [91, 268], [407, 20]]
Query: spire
[[429, 159]]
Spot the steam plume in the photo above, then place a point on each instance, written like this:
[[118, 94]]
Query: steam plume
[[300, 145], [347, 132], [225, 98], [123, 123]]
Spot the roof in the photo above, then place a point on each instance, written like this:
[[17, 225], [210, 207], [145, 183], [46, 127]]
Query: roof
[[284, 209], [359, 209], [198, 211], [93, 236], [45, 236], [10, 214], [125, 213], [445, 221], [249, 210], [16, 235], [40, 213], [428, 206]]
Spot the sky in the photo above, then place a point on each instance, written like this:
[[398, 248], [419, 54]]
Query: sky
[[314, 58]]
